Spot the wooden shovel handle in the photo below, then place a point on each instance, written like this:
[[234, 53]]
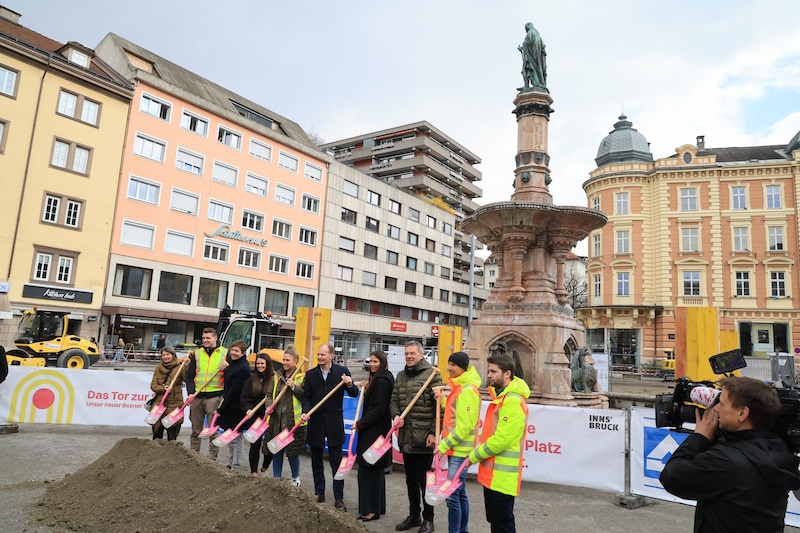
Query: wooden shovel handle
[[419, 393], [358, 405], [326, 398]]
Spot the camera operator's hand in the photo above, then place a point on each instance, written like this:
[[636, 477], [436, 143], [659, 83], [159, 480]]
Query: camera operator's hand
[[709, 423]]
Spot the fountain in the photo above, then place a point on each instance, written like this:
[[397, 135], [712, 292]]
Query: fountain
[[527, 313]]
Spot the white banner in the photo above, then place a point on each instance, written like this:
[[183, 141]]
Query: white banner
[[85, 397], [651, 448]]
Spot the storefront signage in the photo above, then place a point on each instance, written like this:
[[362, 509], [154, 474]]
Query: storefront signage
[[398, 326], [5, 286], [54, 293], [225, 232], [434, 331], [144, 320]]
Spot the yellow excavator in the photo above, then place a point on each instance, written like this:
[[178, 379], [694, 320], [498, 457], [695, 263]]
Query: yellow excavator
[[43, 339]]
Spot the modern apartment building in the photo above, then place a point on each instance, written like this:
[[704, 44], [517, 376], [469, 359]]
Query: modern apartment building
[[221, 202], [711, 227], [62, 116]]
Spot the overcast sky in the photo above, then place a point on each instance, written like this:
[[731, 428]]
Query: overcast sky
[[727, 70]]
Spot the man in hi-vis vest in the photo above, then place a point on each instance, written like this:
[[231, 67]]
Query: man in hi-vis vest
[[502, 443], [203, 364]]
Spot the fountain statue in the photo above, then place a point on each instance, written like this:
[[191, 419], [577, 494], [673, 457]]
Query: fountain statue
[[527, 313]]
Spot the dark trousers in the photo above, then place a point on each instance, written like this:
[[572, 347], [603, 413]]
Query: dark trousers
[[417, 466], [254, 455], [318, 470], [172, 432], [371, 490], [499, 511]]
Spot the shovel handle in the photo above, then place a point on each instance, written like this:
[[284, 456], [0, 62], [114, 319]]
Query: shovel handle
[[419, 393], [325, 398], [353, 429]]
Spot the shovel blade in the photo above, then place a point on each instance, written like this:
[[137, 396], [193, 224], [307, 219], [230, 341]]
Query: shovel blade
[[281, 441], [208, 431], [173, 418], [154, 414], [223, 440], [377, 450], [254, 432], [345, 467], [443, 492]]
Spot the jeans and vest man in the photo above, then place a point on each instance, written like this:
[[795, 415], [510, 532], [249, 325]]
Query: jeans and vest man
[[204, 363]]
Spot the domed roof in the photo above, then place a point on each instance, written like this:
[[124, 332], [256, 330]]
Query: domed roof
[[624, 144]]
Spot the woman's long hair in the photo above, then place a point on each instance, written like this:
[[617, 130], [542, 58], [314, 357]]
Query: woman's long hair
[[262, 381], [380, 355]]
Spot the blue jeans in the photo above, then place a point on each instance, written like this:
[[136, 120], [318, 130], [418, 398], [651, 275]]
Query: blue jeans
[[277, 465], [457, 503]]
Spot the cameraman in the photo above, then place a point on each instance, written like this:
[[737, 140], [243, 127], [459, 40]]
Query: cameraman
[[741, 476]]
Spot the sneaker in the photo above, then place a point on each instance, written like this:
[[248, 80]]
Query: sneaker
[[296, 481]]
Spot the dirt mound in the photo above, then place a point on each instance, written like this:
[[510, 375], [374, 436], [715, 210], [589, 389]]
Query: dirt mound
[[142, 486]]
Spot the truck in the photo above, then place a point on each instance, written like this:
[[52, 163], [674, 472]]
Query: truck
[[44, 338], [260, 331]]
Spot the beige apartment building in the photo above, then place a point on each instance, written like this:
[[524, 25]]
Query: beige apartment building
[[62, 118], [711, 227]]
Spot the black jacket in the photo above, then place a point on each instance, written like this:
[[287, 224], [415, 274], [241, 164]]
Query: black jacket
[[328, 420], [248, 400], [375, 418], [421, 419], [740, 484], [231, 412]]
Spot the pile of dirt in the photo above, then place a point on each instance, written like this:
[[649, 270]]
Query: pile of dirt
[[143, 485]]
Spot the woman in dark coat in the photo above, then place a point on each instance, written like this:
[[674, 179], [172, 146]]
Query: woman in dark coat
[[254, 390], [375, 421], [167, 369]]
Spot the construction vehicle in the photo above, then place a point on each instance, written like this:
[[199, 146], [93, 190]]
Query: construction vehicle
[[261, 333], [44, 339]]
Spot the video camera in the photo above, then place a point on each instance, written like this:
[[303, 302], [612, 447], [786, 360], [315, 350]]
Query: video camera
[[675, 409]]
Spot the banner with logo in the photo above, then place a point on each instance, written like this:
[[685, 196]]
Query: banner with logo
[[651, 448]]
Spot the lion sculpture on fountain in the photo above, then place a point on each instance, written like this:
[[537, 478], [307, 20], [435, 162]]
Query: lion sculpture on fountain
[[584, 375]]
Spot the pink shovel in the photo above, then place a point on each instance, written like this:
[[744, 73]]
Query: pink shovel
[[260, 425], [346, 465], [286, 437], [177, 414], [382, 444], [212, 427], [448, 487], [229, 434], [436, 475], [158, 410]]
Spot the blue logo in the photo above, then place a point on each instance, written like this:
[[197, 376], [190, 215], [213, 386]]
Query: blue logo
[[659, 443]]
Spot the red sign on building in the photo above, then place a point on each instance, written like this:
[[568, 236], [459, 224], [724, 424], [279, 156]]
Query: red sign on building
[[434, 331], [398, 326]]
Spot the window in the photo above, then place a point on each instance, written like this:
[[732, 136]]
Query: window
[[741, 240], [174, 288], [775, 238], [390, 283], [743, 284], [623, 284], [302, 300], [73, 214], [284, 195], [8, 81], [411, 288], [688, 199], [393, 232], [70, 156], [142, 190], [216, 251], [777, 284], [287, 161], [78, 107], [394, 207], [223, 173], [212, 293], [739, 197], [256, 184], [430, 245], [773, 194], [348, 245], [79, 58], [155, 107], [149, 148], [597, 286], [411, 262], [249, 258], [392, 257], [278, 264], [429, 268], [189, 162], [690, 240], [430, 221], [413, 239], [446, 250], [312, 171], [137, 234], [623, 242], [52, 213], [276, 301], [42, 268], [260, 150], [596, 245], [444, 295], [447, 228], [245, 297], [344, 273], [370, 251], [252, 220], [220, 212], [350, 188], [444, 273], [373, 198], [310, 204], [413, 214], [369, 278], [691, 283], [308, 236], [185, 202], [596, 203], [427, 291], [192, 122], [179, 243], [229, 137], [132, 282], [348, 216], [372, 224], [281, 228], [304, 270], [622, 203]]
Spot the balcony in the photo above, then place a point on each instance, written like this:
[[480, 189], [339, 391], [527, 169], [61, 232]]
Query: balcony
[[692, 301]]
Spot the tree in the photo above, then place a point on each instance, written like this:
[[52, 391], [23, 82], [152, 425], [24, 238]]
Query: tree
[[315, 137], [575, 283]]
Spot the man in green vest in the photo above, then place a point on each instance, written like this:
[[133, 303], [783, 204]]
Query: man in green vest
[[205, 362]]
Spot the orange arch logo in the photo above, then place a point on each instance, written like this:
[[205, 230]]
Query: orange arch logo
[[43, 396]]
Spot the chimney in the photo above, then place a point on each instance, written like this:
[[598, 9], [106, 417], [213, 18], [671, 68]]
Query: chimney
[[9, 15], [701, 142]]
